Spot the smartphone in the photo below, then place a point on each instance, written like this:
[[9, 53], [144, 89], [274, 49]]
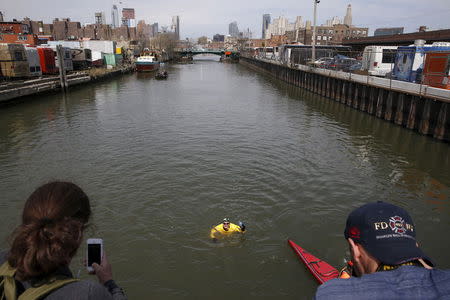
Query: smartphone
[[94, 253]]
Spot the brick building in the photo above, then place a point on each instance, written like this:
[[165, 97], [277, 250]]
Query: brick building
[[48, 29], [35, 27], [65, 29], [89, 32], [15, 38], [143, 30], [74, 30], [328, 35], [120, 33], [103, 32], [14, 27]]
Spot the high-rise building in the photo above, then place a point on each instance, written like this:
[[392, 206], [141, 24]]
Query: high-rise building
[[100, 18], [128, 17], [265, 24], [247, 34], [218, 38], [280, 25], [333, 21], [155, 29], [176, 26], [128, 13], [233, 29], [348, 16], [298, 22], [1, 16], [115, 17]]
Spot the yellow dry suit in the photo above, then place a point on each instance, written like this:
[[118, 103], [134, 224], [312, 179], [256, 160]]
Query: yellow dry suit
[[218, 230]]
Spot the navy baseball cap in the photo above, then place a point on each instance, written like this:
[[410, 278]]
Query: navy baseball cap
[[386, 231]]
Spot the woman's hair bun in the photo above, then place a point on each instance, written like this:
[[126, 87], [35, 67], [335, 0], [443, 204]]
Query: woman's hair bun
[[53, 219]]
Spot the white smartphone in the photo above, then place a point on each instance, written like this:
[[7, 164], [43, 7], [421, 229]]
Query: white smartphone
[[94, 253]]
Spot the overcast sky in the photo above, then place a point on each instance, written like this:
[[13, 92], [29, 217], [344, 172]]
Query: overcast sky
[[207, 17]]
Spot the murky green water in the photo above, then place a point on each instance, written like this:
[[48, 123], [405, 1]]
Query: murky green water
[[165, 160]]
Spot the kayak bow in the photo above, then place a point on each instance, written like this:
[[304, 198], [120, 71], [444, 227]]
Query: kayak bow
[[320, 269]]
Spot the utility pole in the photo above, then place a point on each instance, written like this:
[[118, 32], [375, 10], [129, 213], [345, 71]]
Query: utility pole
[[314, 31]]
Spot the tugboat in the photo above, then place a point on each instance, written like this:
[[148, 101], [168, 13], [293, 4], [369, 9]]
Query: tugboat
[[147, 62]]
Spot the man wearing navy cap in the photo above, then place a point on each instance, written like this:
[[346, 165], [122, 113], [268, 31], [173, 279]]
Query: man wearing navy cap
[[388, 263]]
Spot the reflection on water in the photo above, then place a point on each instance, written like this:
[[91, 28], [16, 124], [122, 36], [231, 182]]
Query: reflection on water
[[163, 161]]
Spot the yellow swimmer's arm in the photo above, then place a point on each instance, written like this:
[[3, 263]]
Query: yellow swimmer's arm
[[235, 228], [214, 231]]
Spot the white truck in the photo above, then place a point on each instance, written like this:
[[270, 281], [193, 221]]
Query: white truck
[[379, 60]]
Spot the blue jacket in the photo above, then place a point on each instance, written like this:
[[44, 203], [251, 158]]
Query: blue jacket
[[406, 282]]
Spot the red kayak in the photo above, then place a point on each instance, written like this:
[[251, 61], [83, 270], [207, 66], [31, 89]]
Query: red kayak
[[320, 269]]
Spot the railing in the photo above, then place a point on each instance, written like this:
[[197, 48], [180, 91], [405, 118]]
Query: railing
[[395, 72]]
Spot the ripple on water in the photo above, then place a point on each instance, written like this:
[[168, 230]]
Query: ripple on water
[[165, 161]]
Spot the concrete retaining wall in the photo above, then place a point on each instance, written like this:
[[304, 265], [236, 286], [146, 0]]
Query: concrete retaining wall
[[413, 106]]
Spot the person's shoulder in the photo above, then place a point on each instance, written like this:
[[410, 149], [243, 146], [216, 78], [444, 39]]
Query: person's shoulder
[[354, 287], [387, 284], [338, 288], [83, 289], [235, 227]]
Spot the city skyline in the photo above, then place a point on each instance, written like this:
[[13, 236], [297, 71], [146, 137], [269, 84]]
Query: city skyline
[[204, 19]]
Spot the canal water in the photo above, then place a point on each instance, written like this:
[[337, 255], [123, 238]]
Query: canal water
[[163, 161]]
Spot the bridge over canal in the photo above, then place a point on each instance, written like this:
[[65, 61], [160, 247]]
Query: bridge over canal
[[233, 54]]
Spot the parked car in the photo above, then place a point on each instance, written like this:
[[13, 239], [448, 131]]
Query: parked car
[[341, 63], [323, 62], [355, 67]]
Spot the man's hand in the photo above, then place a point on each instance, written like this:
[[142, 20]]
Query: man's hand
[[103, 271]]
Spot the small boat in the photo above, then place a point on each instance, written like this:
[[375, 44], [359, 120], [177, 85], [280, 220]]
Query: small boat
[[320, 269], [147, 63], [161, 75]]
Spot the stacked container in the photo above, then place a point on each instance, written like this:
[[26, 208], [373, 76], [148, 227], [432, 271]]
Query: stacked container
[[13, 60], [34, 61]]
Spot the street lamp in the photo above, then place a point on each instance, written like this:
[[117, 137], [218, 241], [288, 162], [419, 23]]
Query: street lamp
[[314, 31]]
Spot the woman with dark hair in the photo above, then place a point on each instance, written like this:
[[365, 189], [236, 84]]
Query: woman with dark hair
[[37, 265]]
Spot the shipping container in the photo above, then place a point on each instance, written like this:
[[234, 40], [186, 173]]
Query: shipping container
[[112, 59], [81, 58], [34, 61], [409, 61], [68, 64], [13, 60], [379, 60], [97, 58], [68, 44], [436, 72], [47, 60], [101, 46]]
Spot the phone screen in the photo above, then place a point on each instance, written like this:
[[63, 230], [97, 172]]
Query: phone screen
[[94, 254]]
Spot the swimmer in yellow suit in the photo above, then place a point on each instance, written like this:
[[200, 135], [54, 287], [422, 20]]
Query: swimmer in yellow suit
[[226, 228]]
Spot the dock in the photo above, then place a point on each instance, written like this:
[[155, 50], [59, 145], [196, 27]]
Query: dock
[[12, 90]]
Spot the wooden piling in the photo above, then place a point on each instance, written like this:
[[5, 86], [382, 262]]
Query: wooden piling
[[380, 104]]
